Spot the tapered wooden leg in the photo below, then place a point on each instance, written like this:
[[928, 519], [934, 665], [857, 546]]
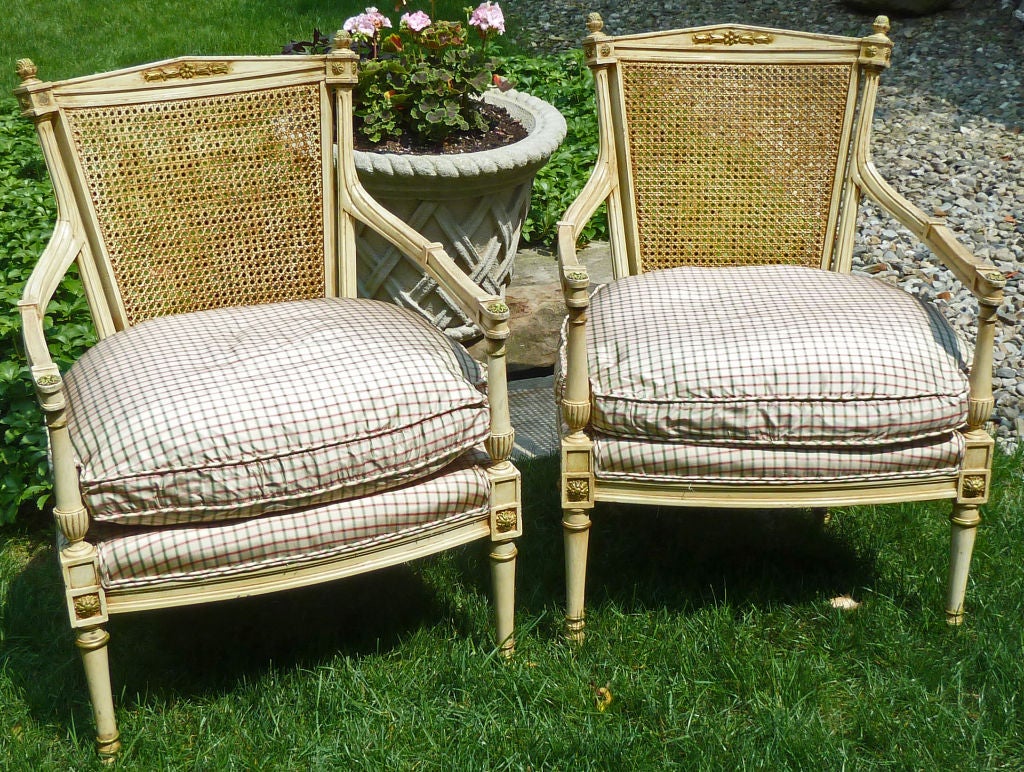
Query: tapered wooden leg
[[964, 522], [503, 578], [92, 645], [576, 532]]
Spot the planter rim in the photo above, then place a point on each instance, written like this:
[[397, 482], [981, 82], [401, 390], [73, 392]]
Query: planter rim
[[544, 136]]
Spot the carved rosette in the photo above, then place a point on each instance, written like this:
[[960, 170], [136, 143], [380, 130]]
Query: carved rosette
[[975, 486], [506, 520], [87, 606], [577, 490]]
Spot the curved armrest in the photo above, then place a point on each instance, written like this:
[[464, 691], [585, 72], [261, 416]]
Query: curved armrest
[[599, 187], [430, 256], [981, 277], [62, 249], [69, 511], [575, 283]]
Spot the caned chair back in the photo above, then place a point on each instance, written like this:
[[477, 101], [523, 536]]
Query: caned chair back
[[197, 184], [731, 144]]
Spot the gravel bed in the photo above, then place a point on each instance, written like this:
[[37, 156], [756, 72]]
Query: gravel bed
[[947, 135]]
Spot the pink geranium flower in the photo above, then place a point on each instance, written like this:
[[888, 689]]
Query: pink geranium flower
[[366, 23], [417, 22], [488, 16]]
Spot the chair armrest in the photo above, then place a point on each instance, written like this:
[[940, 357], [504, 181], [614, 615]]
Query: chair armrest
[[575, 283], [477, 304], [599, 187], [61, 250], [69, 511], [488, 311], [981, 277]]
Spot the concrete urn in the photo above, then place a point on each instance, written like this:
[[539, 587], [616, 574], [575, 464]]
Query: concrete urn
[[472, 203]]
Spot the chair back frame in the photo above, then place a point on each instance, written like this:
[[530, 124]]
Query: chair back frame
[[715, 152]]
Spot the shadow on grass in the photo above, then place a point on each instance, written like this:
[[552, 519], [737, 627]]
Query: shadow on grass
[[199, 651], [680, 559], [641, 559]]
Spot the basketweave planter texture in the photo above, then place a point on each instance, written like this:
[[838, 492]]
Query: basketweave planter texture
[[472, 203]]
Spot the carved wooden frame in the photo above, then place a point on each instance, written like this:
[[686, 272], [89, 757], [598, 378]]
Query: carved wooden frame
[[73, 241], [610, 183]]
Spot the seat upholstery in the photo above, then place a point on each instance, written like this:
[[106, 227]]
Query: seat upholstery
[[798, 357], [141, 557], [245, 423], [251, 421], [735, 360]]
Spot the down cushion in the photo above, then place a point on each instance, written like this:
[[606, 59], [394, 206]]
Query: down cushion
[[243, 411], [771, 355]]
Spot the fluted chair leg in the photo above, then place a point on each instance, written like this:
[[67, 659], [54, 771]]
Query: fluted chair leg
[[576, 531], [503, 579], [964, 523], [92, 645]]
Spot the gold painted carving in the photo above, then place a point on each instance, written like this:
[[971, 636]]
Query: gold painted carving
[[995, 277], [343, 68], [606, 50], [87, 606], [48, 380], [186, 71], [26, 69], [732, 38], [506, 520], [974, 486], [497, 308], [577, 490]]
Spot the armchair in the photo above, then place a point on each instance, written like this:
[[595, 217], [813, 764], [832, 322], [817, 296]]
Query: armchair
[[245, 423], [735, 360]]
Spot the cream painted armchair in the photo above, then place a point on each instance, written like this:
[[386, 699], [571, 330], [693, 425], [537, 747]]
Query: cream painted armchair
[[245, 424], [735, 361]]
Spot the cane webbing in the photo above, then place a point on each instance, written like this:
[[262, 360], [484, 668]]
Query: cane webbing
[[209, 201], [733, 164]]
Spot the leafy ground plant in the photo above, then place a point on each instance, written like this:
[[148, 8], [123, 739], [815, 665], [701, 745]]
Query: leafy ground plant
[[26, 221]]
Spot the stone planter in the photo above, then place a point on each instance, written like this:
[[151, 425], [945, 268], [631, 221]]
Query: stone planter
[[472, 203]]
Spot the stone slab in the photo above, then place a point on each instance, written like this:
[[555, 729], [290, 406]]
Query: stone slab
[[537, 307]]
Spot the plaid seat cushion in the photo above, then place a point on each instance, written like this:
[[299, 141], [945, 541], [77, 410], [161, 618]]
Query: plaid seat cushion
[[771, 355], [136, 557], [236, 412], [681, 462]]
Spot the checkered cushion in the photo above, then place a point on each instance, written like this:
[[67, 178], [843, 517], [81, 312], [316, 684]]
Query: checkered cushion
[[242, 411], [134, 557], [771, 355], [626, 459]]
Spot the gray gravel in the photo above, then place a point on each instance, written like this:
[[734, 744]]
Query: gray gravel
[[947, 134]]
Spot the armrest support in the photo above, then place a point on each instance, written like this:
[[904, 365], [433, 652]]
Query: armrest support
[[69, 511], [981, 277]]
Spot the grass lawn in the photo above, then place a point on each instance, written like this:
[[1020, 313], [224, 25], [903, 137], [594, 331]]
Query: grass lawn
[[713, 632], [68, 38]]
